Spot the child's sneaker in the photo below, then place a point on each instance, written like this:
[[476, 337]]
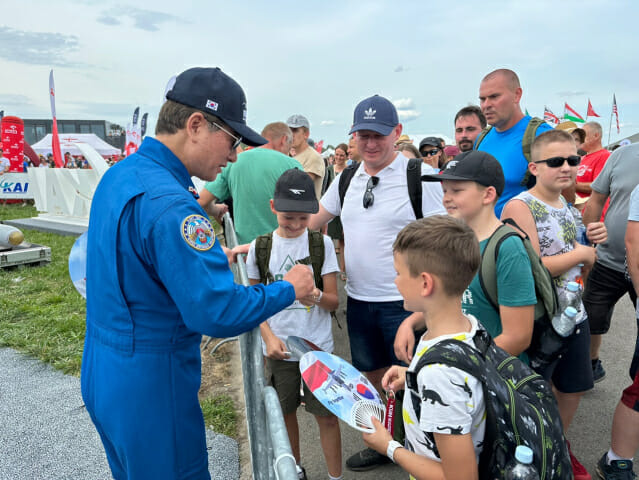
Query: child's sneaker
[[617, 470], [578, 470], [598, 372]]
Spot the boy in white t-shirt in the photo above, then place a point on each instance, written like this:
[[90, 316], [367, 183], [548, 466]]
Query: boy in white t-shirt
[[435, 259], [293, 203]]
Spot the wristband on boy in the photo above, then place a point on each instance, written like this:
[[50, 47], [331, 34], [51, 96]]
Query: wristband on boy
[[390, 450]]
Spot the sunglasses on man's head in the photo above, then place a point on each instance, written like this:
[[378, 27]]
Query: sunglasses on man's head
[[556, 162], [369, 198], [430, 153]]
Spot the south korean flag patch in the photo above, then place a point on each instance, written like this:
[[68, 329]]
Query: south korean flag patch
[[198, 232]]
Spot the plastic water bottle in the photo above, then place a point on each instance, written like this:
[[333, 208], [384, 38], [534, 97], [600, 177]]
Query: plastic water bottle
[[564, 324], [521, 468], [570, 297]]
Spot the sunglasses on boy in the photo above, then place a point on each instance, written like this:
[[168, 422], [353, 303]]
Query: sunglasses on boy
[[369, 198], [556, 162]]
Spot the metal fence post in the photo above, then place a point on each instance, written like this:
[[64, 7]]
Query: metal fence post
[[270, 447]]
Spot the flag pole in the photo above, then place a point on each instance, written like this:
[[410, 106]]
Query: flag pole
[[610, 127]]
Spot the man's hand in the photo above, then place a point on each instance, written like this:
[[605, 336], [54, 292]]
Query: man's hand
[[240, 250], [597, 232], [310, 300], [218, 210], [301, 277]]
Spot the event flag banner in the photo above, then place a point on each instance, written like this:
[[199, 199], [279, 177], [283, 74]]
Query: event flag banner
[[615, 111], [57, 155], [550, 117], [591, 111], [571, 114], [143, 125], [136, 114]]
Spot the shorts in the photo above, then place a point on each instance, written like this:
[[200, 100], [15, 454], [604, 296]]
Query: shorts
[[372, 327], [572, 372], [286, 378], [630, 396], [604, 288]]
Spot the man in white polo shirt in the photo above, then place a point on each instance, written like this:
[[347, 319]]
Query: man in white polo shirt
[[376, 207]]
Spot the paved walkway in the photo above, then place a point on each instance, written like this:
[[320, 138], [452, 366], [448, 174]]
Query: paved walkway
[[46, 433]]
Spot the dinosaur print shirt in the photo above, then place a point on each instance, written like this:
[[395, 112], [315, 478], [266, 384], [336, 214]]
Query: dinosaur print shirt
[[450, 402]]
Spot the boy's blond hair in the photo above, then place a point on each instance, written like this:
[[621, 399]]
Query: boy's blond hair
[[551, 136], [442, 246]]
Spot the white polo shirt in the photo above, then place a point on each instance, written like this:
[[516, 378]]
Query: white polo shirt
[[369, 233]]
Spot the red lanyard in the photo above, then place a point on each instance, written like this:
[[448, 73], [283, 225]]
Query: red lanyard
[[390, 412]]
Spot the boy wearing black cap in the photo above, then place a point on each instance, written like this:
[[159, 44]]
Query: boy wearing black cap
[[472, 184], [293, 203]]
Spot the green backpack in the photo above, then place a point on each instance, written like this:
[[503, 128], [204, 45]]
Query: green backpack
[[529, 135], [264, 243], [547, 301]]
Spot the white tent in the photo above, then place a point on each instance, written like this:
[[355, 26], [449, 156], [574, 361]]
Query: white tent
[[68, 141]]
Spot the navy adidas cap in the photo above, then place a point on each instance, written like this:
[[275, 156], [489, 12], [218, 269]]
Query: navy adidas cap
[[375, 113], [473, 166], [212, 91]]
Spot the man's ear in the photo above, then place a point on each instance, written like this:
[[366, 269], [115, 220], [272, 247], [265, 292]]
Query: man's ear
[[194, 124]]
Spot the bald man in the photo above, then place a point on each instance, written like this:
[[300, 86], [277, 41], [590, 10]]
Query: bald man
[[499, 96]]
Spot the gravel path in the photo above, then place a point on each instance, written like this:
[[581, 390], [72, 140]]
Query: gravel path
[[46, 433]]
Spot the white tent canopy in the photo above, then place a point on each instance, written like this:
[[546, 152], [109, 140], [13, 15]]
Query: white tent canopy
[[68, 141]]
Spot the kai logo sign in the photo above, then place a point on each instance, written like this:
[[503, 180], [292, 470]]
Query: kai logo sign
[[14, 187]]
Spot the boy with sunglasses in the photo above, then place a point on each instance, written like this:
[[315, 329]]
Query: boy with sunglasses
[[544, 215]]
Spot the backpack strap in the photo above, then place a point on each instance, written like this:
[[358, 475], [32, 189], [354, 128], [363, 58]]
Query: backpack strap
[[345, 180], [414, 181], [316, 250], [526, 142], [482, 135], [263, 245], [488, 266]]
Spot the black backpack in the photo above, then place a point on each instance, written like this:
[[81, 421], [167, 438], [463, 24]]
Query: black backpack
[[529, 135], [264, 243], [520, 406], [547, 302], [413, 177]]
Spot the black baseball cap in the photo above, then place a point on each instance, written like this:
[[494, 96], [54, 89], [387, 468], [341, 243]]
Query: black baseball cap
[[295, 192], [472, 166], [212, 91], [431, 142]]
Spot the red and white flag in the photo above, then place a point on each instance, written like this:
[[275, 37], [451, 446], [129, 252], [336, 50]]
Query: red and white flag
[[55, 141], [550, 117], [571, 114], [614, 110], [591, 111], [319, 145]]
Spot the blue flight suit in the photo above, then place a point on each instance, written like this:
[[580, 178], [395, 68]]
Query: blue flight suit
[[156, 280]]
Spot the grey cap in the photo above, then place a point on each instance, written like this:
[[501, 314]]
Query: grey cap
[[297, 121]]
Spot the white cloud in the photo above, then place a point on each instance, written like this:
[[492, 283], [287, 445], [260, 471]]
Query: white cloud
[[408, 115], [325, 123], [404, 103]]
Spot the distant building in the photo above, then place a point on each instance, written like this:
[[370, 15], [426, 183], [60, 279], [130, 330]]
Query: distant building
[[36, 129]]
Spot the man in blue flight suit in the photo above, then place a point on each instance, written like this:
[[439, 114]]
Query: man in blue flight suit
[[157, 279]]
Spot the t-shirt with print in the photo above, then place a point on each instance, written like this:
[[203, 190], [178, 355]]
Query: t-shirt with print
[[450, 402], [590, 167], [557, 232], [313, 323], [515, 287], [312, 162], [617, 180]]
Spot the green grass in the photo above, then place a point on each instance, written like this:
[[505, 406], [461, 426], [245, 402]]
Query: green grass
[[219, 414], [41, 313]]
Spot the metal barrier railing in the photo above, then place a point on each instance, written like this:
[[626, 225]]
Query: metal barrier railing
[[271, 454]]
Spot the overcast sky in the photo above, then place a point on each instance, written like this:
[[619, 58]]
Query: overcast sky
[[320, 58]]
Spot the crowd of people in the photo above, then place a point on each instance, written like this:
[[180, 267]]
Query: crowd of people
[[409, 225]]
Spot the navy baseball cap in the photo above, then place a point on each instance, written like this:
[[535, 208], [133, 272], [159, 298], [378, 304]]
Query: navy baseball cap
[[472, 166], [212, 91], [375, 113], [295, 192]]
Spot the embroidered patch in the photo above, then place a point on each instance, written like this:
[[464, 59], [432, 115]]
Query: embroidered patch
[[198, 232]]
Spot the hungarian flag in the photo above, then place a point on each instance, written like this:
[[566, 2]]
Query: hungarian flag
[[55, 141], [571, 114], [591, 111], [550, 117], [614, 110]]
